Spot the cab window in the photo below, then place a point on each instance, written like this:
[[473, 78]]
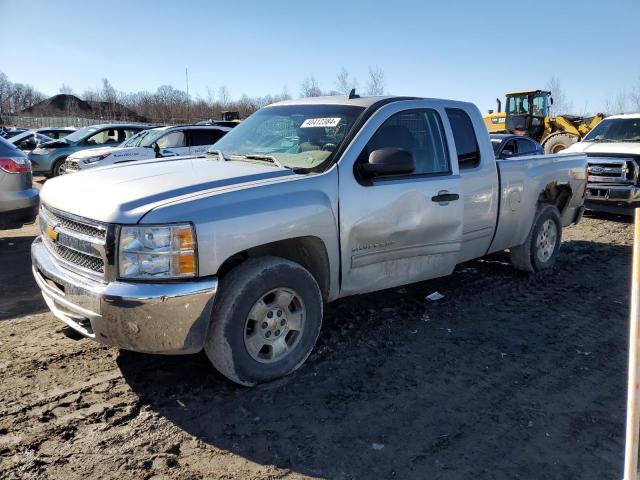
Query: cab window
[[540, 105], [419, 132], [517, 105]]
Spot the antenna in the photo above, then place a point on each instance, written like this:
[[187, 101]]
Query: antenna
[[353, 94]]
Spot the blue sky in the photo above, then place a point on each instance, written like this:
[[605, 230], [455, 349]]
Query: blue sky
[[467, 50]]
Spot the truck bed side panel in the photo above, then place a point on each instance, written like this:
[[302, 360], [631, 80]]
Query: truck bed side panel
[[523, 180]]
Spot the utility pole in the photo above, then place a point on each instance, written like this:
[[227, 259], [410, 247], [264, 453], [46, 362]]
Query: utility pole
[[186, 75], [633, 414]]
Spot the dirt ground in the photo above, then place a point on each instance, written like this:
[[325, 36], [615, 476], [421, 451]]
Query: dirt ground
[[507, 377]]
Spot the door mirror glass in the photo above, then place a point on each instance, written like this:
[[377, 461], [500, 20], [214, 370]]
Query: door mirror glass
[[389, 161]]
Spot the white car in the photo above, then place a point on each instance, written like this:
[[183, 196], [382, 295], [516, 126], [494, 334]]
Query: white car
[[613, 156], [153, 143]]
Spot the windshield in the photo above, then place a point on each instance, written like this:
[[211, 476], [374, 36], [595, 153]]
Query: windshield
[[80, 134], [615, 130], [495, 143], [144, 138], [296, 136], [517, 105]]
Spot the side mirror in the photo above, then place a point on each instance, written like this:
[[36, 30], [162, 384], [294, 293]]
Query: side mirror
[[506, 153], [389, 161], [156, 149]]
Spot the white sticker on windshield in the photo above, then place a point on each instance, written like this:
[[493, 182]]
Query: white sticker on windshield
[[320, 122]]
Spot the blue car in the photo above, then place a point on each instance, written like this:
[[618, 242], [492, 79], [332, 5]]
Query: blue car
[[49, 158]]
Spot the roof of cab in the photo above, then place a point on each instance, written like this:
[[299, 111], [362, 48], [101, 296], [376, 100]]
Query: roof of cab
[[336, 100]]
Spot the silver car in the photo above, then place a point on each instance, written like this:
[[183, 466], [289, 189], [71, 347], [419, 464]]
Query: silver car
[[18, 199]]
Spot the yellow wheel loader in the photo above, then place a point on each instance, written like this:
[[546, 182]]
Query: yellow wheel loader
[[527, 113]]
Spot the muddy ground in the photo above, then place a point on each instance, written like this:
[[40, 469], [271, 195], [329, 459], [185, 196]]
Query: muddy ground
[[507, 377]]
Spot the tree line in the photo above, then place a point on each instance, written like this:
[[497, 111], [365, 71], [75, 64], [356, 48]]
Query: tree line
[[171, 105]]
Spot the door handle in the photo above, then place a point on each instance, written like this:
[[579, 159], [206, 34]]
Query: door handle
[[445, 196]]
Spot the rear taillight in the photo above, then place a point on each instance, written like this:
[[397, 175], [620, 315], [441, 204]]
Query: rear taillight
[[15, 164]]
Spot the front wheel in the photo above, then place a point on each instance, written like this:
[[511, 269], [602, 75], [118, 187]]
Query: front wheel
[[540, 250], [56, 171], [265, 321]]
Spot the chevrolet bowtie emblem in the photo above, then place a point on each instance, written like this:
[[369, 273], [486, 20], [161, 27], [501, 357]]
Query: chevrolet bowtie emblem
[[51, 233]]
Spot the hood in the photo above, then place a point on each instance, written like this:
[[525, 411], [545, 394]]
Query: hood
[[92, 152], [623, 148], [124, 193]]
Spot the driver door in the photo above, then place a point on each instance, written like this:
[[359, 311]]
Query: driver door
[[396, 230]]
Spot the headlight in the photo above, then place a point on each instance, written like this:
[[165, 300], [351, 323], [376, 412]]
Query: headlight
[[157, 252], [95, 159]]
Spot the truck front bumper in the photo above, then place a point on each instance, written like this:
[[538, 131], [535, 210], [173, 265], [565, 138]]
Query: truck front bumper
[[618, 199], [167, 318]]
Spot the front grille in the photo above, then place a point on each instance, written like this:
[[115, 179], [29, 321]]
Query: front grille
[[78, 258], [77, 226], [612, 170], [71, 165], [78, 244]]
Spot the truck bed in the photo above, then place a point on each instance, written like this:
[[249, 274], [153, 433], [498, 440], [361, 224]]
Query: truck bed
[[522, 182]]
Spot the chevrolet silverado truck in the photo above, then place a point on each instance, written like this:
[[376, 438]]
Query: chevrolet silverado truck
[[613, 157], [304, 202]]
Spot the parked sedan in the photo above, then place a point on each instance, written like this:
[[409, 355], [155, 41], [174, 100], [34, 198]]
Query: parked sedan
[[18, 199], [28, 141], [49, 158], [509, 146]]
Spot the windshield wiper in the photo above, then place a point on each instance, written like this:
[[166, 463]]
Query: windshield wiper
[[218, 153], [263, 158]]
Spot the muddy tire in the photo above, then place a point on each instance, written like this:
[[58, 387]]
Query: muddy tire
[[540, 250], [559, 142], [265, 322]]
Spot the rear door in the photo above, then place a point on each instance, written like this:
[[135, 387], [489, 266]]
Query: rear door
[[201, 139], [396, 230]]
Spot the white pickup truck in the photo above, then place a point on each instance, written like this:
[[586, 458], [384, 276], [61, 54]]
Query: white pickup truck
[[613, 155], [157, 142], [303, 203]]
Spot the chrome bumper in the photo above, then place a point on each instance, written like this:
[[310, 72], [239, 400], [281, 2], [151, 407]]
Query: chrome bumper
[[168, 318], [612, 198]]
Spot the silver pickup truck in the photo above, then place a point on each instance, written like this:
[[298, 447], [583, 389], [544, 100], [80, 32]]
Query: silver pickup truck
[[303, 203]]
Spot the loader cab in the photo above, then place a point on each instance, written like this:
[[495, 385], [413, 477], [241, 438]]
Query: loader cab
[[526, 112]]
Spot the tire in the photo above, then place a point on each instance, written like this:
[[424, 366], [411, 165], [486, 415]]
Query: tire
[[55, 170], [240, 323], [557, 143], [540, 250]]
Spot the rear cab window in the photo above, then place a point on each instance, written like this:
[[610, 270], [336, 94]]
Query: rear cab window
[[465, 138]]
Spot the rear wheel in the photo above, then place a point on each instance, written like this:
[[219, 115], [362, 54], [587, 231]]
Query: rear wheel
[[559, 142], [266, 319], [540, 250]]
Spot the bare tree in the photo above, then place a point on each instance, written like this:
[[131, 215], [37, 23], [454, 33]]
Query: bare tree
[[345, 82], [561, 104], [223, 96], [634, 97], [309, 87], [376, 83], [619, 104], [66, 89]]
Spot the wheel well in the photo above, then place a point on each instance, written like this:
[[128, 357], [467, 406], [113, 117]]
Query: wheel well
[[309, 252], [558, 195]]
